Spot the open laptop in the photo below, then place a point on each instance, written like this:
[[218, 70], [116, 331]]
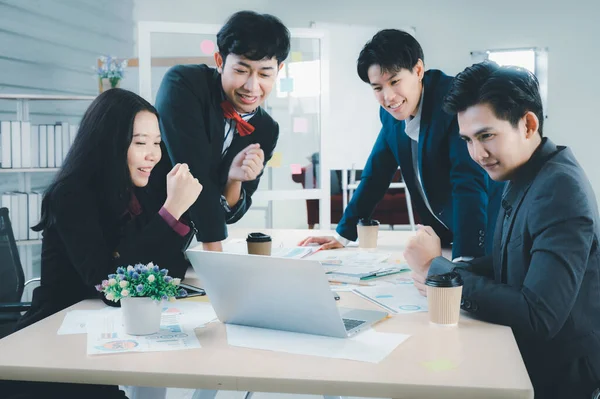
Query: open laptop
[[276, 293]]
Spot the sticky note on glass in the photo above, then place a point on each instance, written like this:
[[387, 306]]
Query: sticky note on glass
[[296, 168], [296, 56], [275, 161], [286, 85], [300, 125], [207, 47]]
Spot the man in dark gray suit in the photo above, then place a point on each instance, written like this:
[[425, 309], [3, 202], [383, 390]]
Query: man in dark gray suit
[[543, 277]]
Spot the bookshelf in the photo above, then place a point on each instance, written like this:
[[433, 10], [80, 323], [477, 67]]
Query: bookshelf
[[22, 101], [28, 170], [23, 182], [25, 243]]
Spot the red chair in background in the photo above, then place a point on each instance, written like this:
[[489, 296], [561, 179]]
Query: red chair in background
[[391, 210]]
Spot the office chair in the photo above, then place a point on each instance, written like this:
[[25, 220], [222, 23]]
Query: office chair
[[12, 279]]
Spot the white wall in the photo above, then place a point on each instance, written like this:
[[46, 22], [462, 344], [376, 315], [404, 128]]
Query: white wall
[[50, 47], [448, 31]]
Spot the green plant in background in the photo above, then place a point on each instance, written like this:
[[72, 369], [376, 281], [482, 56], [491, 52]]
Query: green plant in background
[[112, 69]]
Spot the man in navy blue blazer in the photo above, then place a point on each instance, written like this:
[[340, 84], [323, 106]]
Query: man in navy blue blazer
[[449, 191]]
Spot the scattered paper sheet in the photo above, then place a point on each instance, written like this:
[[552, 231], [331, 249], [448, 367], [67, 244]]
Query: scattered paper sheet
[[344, 257], [106, 334], [367, 346], [377, 270], [343, 287], [75, 321], [293, 252], [397, 298], [239, 246], [193, 314], [398, 279]]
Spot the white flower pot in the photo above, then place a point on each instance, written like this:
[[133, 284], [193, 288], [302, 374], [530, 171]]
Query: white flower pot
[[141, 315], [106, 85]]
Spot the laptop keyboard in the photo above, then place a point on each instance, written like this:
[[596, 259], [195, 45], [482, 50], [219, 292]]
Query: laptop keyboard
[[351, 323]]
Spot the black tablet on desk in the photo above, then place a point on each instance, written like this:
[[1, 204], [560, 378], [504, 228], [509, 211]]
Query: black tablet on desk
[[191, 290]]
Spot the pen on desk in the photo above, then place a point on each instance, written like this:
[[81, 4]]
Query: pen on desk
[[349, 282]]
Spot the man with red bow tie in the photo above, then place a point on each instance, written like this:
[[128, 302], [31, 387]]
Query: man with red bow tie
[[212, 119]]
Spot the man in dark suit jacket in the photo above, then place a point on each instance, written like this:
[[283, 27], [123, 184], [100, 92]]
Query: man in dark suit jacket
[[211, 119], [543, 277], [449, 191]]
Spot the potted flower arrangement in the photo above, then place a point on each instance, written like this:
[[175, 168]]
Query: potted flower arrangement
[[141, 289], [110, 72]]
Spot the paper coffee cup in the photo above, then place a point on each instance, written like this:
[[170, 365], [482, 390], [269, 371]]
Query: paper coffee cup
[[368, 230], [444, 292], [259, 244]]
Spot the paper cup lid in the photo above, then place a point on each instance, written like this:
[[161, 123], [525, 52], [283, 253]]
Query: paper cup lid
[[452, 279], [258, 237], [368, 222]]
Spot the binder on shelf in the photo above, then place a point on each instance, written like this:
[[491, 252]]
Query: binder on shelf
[[25, 144], [40, 197], [51, 149], [23, 220], [15, 129], [72, 132], [35, 146], [66, 140], [15, 212], [6, 203], [33, 212], [43, 146], [5, 139], [58, 147]]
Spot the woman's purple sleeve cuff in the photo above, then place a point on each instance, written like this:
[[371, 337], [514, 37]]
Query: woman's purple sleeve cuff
[[175, 224]]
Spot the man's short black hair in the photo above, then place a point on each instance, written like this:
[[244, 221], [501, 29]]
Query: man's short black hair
[[254, 36], [392, 50], [510, 91]]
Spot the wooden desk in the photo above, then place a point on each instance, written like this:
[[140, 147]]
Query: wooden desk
[[474, 360]]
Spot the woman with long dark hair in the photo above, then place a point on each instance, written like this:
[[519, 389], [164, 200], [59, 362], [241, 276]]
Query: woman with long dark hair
[[99, 213]]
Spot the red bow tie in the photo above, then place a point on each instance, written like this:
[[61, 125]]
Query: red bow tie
[[243, 127]]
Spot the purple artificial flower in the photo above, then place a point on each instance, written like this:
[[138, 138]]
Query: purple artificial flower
[[99, 288], [104, 283]]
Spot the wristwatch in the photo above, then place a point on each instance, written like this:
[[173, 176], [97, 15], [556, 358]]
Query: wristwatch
[[226, 205]]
